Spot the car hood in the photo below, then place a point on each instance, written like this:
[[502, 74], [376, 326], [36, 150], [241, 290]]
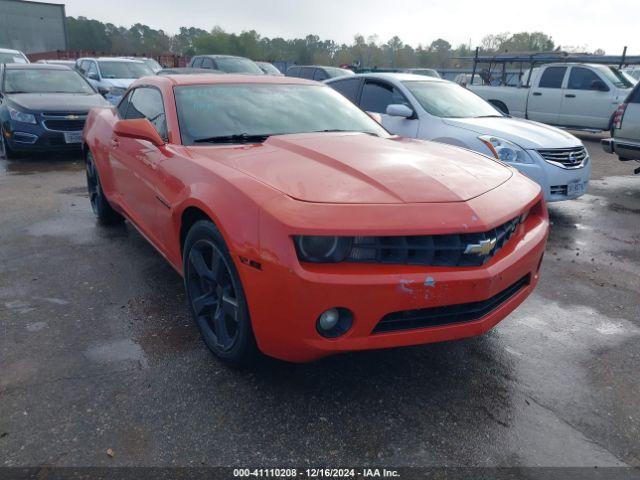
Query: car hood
[[360, 168], [526, 133], [57, 102], [118, 82]]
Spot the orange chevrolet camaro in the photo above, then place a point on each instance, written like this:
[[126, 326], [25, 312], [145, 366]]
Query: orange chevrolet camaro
[[301, 227]]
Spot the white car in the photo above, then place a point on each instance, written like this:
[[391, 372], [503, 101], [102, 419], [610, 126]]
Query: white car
[[571, 95], [112, 76], [433, 109], [625, 133], [12, 56]]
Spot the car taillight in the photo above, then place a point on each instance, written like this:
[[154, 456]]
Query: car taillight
[[617, 117]]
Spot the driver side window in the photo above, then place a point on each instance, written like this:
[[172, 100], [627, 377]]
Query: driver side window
[[146, 102], [377, 96]]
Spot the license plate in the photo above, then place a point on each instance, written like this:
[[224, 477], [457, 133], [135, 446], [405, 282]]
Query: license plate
[[575, 188], [73, 137]]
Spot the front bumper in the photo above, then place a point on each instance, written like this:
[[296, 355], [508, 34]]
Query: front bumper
[[555, 180], [40, 141], [286, 297]]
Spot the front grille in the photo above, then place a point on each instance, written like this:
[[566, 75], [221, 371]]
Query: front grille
[[565, 157], [64, 125], [456, 250], [449, 314]]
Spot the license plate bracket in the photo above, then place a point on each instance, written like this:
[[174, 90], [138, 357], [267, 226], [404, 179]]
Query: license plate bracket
[[575, 188]]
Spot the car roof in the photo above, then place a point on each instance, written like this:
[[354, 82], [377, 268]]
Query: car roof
[[208, 79], [392, 76], [9, 50], [216, 55], [35, 66], [118, 59]]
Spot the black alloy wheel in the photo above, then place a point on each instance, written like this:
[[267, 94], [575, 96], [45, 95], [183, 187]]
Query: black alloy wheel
[[99, 203], [215, 295]]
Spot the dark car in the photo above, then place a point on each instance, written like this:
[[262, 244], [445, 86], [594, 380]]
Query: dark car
[[43, 108], [317, 72], [186, 71], [226, 63]]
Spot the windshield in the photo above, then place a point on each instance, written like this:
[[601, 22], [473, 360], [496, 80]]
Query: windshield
[[12, 58], [115, 69], [238, 65], [269, 68], [614, 76], [153, 65], [206, 111], [36, 80], [335, 72], [448, 100]]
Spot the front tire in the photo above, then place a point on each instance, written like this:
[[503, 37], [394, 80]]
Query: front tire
[[216, 297], [99, 203], [5, 150]]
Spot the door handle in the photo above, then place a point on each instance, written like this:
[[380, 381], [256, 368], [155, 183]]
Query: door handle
[[537, 94], [570, 95]]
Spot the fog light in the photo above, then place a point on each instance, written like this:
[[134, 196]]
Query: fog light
[[328, 319], [334, 322]]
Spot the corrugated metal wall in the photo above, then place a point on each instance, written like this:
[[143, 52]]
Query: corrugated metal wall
[[32, 26]]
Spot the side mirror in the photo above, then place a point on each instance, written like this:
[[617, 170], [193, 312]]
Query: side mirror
[[399, 110], [599, 85], [103, 91], [376, 116], [93, 76], [138, 128]]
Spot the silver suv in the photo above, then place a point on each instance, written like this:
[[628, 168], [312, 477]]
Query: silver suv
[[625, 132]]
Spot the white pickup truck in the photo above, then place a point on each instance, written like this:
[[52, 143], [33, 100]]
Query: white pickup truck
[[571, 95]]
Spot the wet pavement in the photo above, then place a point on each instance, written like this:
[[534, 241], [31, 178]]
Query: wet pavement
[[98, 352]]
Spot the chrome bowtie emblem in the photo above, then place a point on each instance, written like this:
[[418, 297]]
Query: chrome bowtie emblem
[[72, 117], [483, 247]]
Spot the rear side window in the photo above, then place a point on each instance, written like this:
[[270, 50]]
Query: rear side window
[[348, 88], [122, 106], [582, 79], [377, 96], [306, 72], [320, 75], [634, 97], [293, 72], [207, 63], [146, 102], [552, 77]]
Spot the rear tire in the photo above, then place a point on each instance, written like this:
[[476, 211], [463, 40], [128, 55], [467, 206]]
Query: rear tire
[[99, 204], [216, 297]]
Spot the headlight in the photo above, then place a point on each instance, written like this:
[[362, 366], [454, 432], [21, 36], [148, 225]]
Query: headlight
[[23, 117], [505, 150], [322, 249]]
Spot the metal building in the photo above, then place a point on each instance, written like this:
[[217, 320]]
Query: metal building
[[32, 26]]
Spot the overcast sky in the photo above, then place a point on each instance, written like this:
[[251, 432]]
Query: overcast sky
[[585, 23]]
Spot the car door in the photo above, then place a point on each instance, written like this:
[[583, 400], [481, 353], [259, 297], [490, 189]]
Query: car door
[[628, 135], [585, 101], [377, 95], [137, 162], [545, 98]]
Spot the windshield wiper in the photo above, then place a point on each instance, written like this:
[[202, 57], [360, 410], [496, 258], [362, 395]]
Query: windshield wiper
[[329, 130], [237, 138]]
